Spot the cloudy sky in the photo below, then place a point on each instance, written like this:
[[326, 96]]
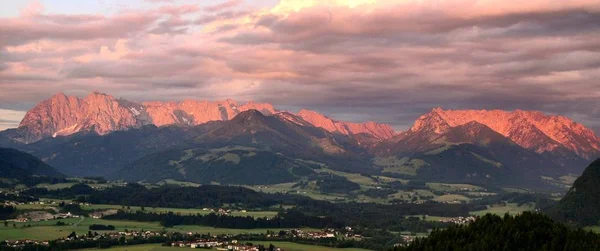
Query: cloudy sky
[[357, 60]]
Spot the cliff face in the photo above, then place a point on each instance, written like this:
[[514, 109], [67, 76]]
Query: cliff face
[[62, 115], [379, 131], [532, 130], [103, 113]]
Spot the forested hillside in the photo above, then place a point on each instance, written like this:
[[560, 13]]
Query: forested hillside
[[581, 205], [528, 231]]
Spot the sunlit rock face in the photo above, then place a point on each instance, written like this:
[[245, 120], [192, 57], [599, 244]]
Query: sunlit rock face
[[63, 115], [532, 130]]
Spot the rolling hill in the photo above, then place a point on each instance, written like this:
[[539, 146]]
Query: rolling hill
[[17, 166], [249, 149], [581, 205]]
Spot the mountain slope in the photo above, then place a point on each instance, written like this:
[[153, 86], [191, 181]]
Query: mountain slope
[[18, 165], [250, 149], [253, 128], [90, 154], [228, 165], [581, 205], [471, 152], [102, 113]]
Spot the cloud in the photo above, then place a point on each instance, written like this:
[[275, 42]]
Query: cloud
[[10, 118], [223, 6], [387, 61], [160, 1], [32, 9]]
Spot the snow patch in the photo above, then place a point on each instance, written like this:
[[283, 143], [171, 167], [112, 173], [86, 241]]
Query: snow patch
[[66, 131], [135, 111]]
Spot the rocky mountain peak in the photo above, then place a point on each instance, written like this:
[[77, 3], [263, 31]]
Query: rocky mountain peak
[[431, 122], [103, 113], [533, 130], [249, 115], [376, 130], [318, 120]]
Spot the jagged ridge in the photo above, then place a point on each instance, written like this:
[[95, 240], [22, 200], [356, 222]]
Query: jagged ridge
[[102, 113], [532, 130]]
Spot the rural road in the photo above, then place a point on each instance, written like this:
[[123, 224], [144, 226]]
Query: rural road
[[82, 218]]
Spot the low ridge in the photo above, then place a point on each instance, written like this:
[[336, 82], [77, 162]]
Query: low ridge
[[581, 205], [19, 165]]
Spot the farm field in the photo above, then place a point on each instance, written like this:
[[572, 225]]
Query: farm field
[[595, 229], [287, 187], [446, 187], [48, 230], [451, 198], [182, 210], [510, 208], [430, 218], [258, 214]]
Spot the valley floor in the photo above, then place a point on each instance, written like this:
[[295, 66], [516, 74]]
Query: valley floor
[[48, 230]]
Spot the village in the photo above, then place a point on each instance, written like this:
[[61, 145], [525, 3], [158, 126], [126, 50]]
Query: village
[[39, 215], [459, 220]]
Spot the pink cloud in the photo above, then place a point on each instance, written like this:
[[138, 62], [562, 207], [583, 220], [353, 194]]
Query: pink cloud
[[344, 55], [176, 10], [32, 9], [223, 6]]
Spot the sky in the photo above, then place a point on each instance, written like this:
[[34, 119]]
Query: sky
[[355, 60]]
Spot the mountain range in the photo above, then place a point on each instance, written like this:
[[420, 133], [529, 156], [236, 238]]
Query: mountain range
[[254, 143], [63, 115]]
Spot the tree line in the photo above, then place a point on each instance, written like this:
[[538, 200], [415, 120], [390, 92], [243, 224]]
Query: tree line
[[289, 219], [528, 231]]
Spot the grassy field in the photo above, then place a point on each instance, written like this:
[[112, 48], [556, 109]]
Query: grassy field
[[286, 187], [150, 209], [430, 218], [386, 179], [444, 187], [47, 230], [511, 208], [595, 229], [354, 177], [183, 210], [55, 186], [404, 166], [178, 183], [451, 197], [73, 181]]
